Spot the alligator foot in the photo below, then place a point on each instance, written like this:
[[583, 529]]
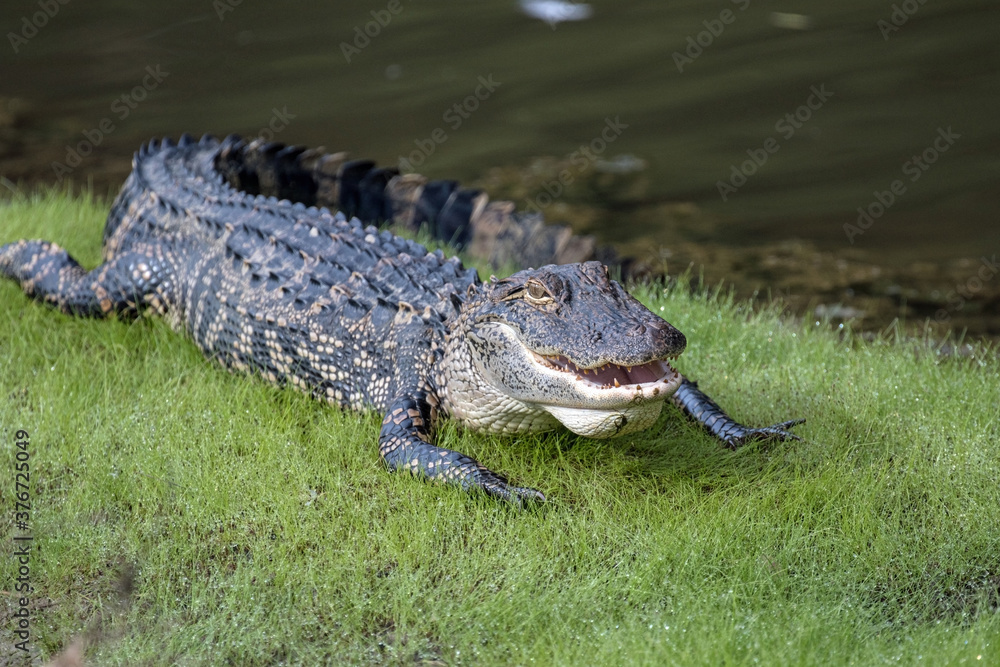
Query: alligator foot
[[699, 407], [742, 435], [519, 496], [404, 444]]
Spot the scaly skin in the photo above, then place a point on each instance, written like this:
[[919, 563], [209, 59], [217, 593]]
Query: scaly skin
[[366, 320]]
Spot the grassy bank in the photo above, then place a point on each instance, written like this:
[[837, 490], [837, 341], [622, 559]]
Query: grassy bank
[[181, 514]]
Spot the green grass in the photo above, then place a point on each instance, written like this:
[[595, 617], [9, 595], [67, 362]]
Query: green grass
[[184, 515]]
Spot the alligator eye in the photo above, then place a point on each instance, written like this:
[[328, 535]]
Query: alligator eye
[[537, 293]]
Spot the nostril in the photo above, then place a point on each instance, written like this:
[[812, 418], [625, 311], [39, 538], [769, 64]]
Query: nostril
[[637, 330]]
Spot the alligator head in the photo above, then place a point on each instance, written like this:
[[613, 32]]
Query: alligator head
[[569, 341]]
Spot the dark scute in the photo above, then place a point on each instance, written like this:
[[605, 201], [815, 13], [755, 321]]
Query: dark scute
[[372, 204], [382, 315], [294, 183], [453, 221], [274, 279], [350, 176], [352, 310], [432, 199]]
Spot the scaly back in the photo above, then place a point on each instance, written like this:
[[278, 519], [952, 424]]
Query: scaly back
[[288, 251]]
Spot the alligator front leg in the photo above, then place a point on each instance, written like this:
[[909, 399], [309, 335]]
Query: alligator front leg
[[405, 444], [702, 409]]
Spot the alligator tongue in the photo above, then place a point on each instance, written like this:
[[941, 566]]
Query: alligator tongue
[[608, 373]]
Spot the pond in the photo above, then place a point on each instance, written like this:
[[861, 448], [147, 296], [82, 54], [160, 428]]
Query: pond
[[842, 156]]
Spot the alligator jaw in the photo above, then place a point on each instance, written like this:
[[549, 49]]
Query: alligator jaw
[[618, 399], [610, 385], [611, 375]]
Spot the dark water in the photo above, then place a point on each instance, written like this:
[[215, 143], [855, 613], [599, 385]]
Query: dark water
[[832, 107]]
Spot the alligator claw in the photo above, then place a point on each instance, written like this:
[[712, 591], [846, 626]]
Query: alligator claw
[[519, 496], [743, 435], [788, 424]]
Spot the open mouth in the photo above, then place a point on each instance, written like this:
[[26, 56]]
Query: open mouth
[[611, 375]]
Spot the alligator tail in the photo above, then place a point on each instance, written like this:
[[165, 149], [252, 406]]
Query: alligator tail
[[489, 230]]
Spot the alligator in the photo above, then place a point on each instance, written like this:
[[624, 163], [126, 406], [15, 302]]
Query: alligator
[[265, 256]]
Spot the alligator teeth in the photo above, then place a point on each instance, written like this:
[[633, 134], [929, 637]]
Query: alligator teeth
[[610, 375]]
